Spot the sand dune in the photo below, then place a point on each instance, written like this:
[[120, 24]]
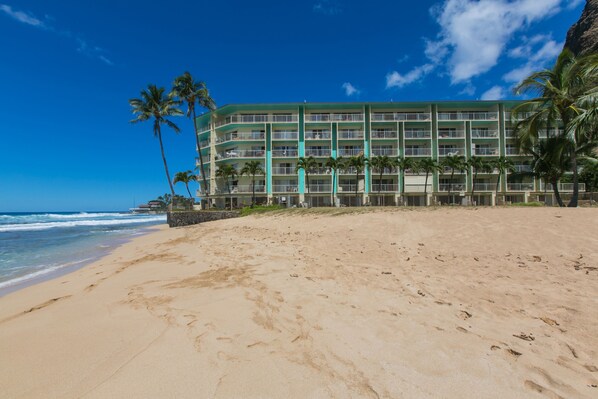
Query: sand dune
[[445, 303]]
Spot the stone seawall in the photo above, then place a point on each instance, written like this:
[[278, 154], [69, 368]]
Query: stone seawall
[[178, 219]]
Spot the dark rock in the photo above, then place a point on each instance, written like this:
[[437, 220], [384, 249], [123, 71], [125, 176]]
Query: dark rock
[[582, 37], [178, 219]]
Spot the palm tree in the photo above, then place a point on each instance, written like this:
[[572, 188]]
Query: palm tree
[[455, 163], [550, 162], [252, 168], [334, 164], [154, 104], [308, 165], [428, 165], [359, 163], [404, 164], [192, 92], [226, 172], [560, 90], [186, 178], [379, 163], [477, 164], [504, 165]]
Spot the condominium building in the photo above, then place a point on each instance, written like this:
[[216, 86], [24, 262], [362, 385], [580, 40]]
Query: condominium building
[[277, 135]]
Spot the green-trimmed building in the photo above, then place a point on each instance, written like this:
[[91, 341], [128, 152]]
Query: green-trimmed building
[[278, 134]]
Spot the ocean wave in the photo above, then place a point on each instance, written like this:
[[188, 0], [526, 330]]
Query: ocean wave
[[84, 215], [42, 272], [75, 223]]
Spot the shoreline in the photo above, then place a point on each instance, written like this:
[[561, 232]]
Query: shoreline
[[55, 272]]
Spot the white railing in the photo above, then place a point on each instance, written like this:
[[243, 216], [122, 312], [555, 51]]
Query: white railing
[[350, 134], [400, 116], [285, 135], [417, 152], [451, 134], [453, 187], [248, 189], [510, 133], [384, 134], [205, 143], [486, 152], [522, 168], [382, 151], [567, 187], [346, 117], [484, 133], [277, 170], [417, 134], [285, 188], [240, 154], [520, 116], [417, 188], [348, 171], [319, 188], [320, 171], [384, 187], [350, 152], [313, 152], [520, 186], [285, 153], [385, 171], [349, 188], [447, 171], [513, 151], [474, 116], [316, 135], [240, 137], [450, 151], [256, 118], [485, 186]]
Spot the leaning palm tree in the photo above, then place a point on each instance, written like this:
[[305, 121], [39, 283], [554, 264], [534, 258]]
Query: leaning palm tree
[[503, 165], [559, 90], [379, 163], [550, 161], [454, 163], [308, 165], [477, 165], [227, 172], [195, 93], [428, 165], [358, 163], [185, 178], [252, 168], [404, 164], [334, 164], [153, 104]]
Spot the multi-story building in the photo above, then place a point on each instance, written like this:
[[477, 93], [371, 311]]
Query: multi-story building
[[277, 135]]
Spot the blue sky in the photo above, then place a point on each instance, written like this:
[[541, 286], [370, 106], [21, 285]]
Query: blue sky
[[68, 68]]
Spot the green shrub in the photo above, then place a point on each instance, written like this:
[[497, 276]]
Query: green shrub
[[246, 211]]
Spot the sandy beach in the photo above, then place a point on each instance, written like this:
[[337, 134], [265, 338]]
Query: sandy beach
[[400, 303]]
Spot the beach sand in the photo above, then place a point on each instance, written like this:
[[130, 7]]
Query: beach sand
[[401, 303]]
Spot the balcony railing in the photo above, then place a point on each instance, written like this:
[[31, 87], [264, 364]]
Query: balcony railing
[[485, 186], [513, 151], [285, 188], [350, 117], [350, 152], [400, 116], [285, 153], [417, 188], [348, 188], [285, 135], [510, 133], [520, 116], [257, 118], [389, 152], [311, 152], [417, 134], [567, 187], [384, 187], [248, 189], [277, 170], [206, 159], [319, 188], [467, 116], [450, 151], [350, 135], [520, 186], [320, 171], [451, 134], [384, 134], [241, 137], [522, 168], [486, 152], [323, 135], [348, 171], [240, 154], [386, 171], [484, 133], [204, 143], [418, 152], [453, 186]]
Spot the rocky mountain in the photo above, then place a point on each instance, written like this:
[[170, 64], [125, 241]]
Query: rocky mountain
[[582, 37]]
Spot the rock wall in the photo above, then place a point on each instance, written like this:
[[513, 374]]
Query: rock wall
[[582, 37], [178, 219]]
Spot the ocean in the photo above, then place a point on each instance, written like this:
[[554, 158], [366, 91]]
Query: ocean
[[36, 246]]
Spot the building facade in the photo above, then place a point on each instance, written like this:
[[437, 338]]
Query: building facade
[[277, 135]]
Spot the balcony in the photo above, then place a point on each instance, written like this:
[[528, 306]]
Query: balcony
[[451, 134], [319, 188], [317, 135], [520, 186], [256, 118], [285, 135], [204, 143], [417, 134], [350, 135], [350, 152], [384, 187], [513, 151], [520, 116], [240, 154], [418, 188], [321, 152], [485, 186], [348, 171], [385, 171], [567, 187], [510, 134], [522, 168], [467, 116], [349, 188], [418, 152], [384, 134], [259, 188], [285, 153], [486, 151], [206, 159], [444, 187], [450, 151], [400, 116], [382, 151], [346, 117], [484, 134], [285, 188], [277, 170], [240, 137]]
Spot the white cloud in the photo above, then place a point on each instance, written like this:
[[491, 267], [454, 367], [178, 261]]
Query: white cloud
[[350, 90], [22, 16], [395, 79], [573, 4], [494, 93], [327, 7], [469, 89], [537, 51], [475, 33]]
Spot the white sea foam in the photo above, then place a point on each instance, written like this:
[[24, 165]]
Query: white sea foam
[[74, 223], [40, 273]]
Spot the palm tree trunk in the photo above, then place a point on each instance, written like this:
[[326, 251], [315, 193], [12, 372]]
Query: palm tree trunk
[[426, 189], [187, 185], [451, 201], [165, 164], [497, 188], [402, 187], [206, 190], [475, 177], [380, 186], [356, 187], [574, 197], [332, 188], [555, 188], [252, 190], [307, 191]]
